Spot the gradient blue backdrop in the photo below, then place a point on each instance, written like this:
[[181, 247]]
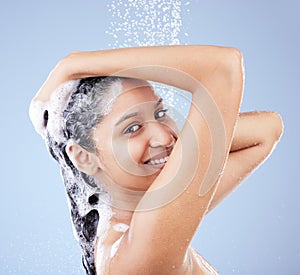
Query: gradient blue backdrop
[[254, 231]]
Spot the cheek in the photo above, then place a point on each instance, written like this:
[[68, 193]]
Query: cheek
[[127, 155], [123, 161], [118, 157], [132, 150]]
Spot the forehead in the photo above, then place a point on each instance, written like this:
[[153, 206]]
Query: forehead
[[135, 94]]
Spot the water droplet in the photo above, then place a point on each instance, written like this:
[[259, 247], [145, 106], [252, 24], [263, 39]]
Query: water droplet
[[156, 22]]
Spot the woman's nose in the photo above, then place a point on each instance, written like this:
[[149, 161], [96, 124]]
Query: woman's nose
[[161, 135]]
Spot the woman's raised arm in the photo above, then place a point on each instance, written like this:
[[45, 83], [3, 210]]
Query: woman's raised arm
[[200, 62], [255, 137]]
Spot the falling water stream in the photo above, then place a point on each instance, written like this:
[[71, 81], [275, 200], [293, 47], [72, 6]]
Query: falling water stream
[[152, 23]]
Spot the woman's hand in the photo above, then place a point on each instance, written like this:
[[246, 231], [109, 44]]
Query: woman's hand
[[58, 75]]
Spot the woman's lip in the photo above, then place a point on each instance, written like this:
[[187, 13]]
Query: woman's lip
[[156, 166], [159, 156]]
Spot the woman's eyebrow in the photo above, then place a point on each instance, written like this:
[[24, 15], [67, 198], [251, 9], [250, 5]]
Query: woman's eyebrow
[[133, 114], [158, 102], [125, 117]]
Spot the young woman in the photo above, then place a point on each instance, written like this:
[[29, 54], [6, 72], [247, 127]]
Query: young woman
[[138, 188]]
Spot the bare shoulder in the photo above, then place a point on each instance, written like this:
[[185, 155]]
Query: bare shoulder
[[107, 246]]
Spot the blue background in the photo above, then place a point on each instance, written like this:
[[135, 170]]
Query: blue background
[[254, 231]]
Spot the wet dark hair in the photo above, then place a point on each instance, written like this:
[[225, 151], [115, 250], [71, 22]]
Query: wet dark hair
[[82, 114]]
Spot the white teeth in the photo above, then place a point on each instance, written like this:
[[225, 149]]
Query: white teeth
[[159, 161]]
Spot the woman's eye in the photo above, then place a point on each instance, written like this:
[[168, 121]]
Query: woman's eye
[[132, 129], [160, 113]]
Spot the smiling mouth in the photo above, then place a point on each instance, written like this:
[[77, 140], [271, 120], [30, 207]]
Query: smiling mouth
[[160, 159]]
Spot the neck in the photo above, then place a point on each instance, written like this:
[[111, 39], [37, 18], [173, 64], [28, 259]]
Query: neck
[[121, 216], [123, 200]]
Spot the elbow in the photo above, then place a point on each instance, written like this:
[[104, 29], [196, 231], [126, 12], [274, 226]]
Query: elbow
[[229, 61], [277, 126], [234, 71], [235, 64], [234, 56], [273, 129]]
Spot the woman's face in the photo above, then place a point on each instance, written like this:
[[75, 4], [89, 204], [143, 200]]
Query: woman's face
[[134, 140]]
